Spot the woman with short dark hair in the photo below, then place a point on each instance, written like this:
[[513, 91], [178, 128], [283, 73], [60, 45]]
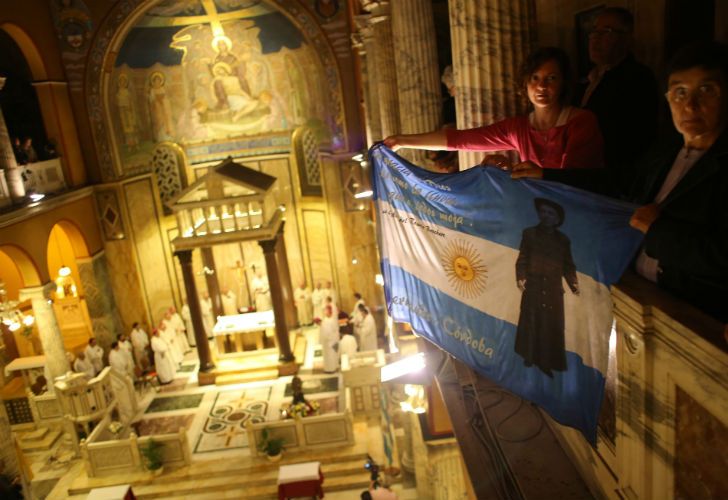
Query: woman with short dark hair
[[685, 185], [553, 135]]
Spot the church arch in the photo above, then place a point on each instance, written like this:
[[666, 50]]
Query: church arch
[[66, 244], [118, 148], [17, 270], [28, 48]]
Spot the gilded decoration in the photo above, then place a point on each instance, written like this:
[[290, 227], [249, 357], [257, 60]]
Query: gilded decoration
[[207, 75]]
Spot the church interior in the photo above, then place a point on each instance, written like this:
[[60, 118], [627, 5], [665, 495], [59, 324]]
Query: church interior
[[198, 169]]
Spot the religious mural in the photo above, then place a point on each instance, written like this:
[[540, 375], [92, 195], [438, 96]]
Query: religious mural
[[211, 72]]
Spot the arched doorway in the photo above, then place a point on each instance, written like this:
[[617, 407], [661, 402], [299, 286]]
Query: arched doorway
[[18, 271], [66, 244]]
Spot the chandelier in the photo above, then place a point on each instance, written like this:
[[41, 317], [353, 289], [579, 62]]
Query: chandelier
[[11, 316]]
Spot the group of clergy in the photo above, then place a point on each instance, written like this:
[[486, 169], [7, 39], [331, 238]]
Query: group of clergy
[[169, 344], [334, 344], [312, 305]]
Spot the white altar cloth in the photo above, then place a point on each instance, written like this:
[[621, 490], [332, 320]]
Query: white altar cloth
[[309, 471]]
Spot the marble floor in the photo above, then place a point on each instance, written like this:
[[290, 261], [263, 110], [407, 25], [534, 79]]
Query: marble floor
[[213, 416]]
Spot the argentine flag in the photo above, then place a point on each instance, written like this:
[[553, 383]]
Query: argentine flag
[[510, 277]]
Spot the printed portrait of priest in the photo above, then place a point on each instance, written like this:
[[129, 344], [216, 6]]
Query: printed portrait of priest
[[543, 263]]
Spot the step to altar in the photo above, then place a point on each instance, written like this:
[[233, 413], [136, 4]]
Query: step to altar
[[40, 439], [243, 378]]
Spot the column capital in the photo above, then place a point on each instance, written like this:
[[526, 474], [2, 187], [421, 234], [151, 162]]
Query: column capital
[[375, 6], [37, 292], [184, 256]]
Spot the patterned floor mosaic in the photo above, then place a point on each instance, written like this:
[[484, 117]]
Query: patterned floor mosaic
[[169, 403], [163, 425], [315, 385], [224, 428]]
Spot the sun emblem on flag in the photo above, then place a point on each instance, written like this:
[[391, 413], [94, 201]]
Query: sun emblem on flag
[[464, 268]]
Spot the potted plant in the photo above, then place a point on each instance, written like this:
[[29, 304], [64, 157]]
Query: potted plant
[[271, 446], [153, 454]]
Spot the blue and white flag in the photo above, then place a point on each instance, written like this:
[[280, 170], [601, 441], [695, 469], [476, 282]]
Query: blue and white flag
[[510, 277]]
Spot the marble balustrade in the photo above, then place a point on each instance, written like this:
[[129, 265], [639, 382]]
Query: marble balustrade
[[104, 455], [312, 432], [671, 403]]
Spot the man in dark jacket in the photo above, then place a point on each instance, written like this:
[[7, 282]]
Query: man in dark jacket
[[621, 92]]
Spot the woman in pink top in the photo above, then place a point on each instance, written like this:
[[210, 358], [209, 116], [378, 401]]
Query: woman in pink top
[[552, 135]]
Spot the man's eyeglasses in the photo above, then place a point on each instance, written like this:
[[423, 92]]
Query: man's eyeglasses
[[605, 31], [704, 93]]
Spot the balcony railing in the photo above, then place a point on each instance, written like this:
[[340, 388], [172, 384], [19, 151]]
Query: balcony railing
[[670, 415]]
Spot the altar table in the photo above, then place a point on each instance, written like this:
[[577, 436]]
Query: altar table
[[300, 480], [238, 326]]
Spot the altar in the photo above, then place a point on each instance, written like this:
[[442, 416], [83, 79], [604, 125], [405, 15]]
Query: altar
[[235, 332]]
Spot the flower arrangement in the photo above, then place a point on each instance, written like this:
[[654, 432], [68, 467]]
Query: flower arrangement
[[115, 428], [304, 409]]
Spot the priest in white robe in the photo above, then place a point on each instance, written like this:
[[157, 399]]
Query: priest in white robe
[[208, 317], [126, 348], [140, 342], [304, 306], [229, 302], [120, 364], [317, 300], [179, 328], [367, 330], [261, 292], [189, 328], [329, 291], [329, 339], [163, 362], [168, 334], [82, 365], [347, 345], [95, 355]]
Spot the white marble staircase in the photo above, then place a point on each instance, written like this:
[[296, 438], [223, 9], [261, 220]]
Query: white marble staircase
[[237, 477]]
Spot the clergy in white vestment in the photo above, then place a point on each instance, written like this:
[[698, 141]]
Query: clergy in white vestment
[[126, 348], [367, 330], [304, 307], [120, 364], [95, 355], [168, 334], [261, 292], [140, 342], [355, 318], [347, 345], [208, 317], [330, 292], [163, 362], [329, 302], [179, 328], [190, 329], [329, 338], [229, 303], [317, 300], [82, 365]]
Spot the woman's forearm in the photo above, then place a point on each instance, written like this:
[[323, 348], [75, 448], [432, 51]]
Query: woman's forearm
[[434, 141]]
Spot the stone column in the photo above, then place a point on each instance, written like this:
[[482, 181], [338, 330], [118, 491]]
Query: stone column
[[279, 280], [8, 458], [94, 275], [12, 172], [418, 75], [363, 43], [188, 276], [386, 74], [490, 40], [213, 286], [50, 334], [55, 103], [284, 273]]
